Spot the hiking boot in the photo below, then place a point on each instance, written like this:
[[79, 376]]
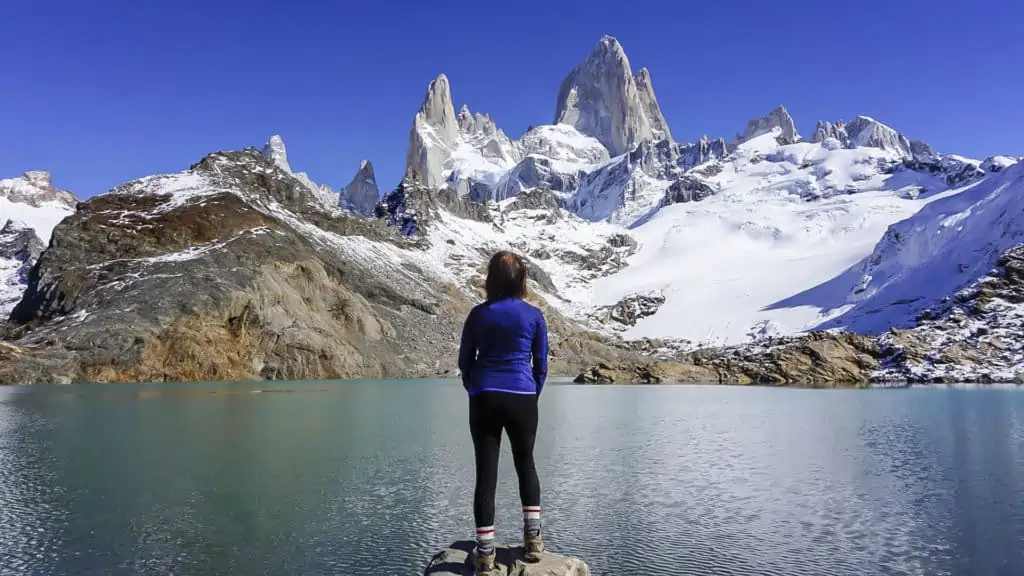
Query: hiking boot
[[484, 564], [533, 547]]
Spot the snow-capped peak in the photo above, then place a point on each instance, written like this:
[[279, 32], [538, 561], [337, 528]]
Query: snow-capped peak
[[275, 151], [433, 136], [600, 99], [777, 118], [866, 131]]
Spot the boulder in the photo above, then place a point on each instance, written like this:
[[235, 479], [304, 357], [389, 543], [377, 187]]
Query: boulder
[[456, 560]]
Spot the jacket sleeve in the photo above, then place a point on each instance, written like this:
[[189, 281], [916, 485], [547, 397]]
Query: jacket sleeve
[[540, 352], [467, 350]]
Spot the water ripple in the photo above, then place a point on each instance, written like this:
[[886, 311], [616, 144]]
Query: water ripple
[[374, 478]]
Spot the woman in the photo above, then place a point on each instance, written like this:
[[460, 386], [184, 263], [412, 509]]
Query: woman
[[504, 361]]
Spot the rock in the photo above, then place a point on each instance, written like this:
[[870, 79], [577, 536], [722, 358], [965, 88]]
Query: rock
[[777, 118], [20, 247], [645, 89], [865, 131], [361, 194], [433, 135], [600, 99], [456, 560], [687, 189], [535, 171], [631, 308], [36, 189], [826, 130], [994, 164]]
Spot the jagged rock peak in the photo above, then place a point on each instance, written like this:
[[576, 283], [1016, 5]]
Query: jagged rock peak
[[826, 129], [437, 110], [866, 131], [600, 99], [659, 128], [275, 151], [434, 133], [40, 178], [361, 195], [34, 188], [777, 118]]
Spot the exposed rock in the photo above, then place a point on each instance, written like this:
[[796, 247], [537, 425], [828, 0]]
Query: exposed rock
[[600, 99], [994, 164], [704, 150], [535, 172], [645, 89], [825, 130], [361, 195], [537, 199], [19, 250], [687, 189], [35, 189], [433, 135], [456, 560], [865, 131], [631, 308], [777, 118], [823, 358], [411, 205], [974, 336]]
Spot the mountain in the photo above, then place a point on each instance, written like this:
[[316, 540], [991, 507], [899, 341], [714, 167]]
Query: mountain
[[361, 195], [860, 255], [600, 98], [30, 207], [777, 118]]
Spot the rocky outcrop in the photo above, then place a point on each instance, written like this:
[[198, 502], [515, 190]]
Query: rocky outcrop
[[704, 150], [865, 131], [975, 335], [19, 250], [361, 194], [630, 309], [825, 358], [777, 118], [35, 189], [994, 164], [600, 99], [412, 205], [456, 560], [536, 172], [687, 189], [434, 133], [825, 130], [645, 89]]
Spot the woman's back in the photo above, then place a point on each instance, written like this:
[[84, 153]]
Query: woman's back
[[504, 347]]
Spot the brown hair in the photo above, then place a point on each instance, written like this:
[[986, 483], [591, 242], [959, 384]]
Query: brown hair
[[506, 277]]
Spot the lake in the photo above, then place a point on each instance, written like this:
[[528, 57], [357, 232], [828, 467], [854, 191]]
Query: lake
[[319, 478]]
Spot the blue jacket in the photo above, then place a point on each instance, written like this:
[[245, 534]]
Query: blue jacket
[[499, 341]]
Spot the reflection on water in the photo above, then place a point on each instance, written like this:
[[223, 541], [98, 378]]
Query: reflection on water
[[317, 478]]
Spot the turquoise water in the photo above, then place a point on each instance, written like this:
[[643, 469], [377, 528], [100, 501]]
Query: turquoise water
[[317, 478]]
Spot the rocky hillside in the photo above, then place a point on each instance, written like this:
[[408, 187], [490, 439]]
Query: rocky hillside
[[237, 269], [860, 255]]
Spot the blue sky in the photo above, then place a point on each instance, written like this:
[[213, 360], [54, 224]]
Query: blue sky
[[102, 92]]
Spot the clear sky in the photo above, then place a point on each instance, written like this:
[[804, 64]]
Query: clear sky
[[106, 91]]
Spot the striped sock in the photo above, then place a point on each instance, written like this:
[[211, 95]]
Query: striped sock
[[531, 520], [485, 539]]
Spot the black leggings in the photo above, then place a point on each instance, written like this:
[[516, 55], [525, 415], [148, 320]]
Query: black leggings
[[489, 414]]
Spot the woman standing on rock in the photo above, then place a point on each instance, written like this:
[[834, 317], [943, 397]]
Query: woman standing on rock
[[504, 362]]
